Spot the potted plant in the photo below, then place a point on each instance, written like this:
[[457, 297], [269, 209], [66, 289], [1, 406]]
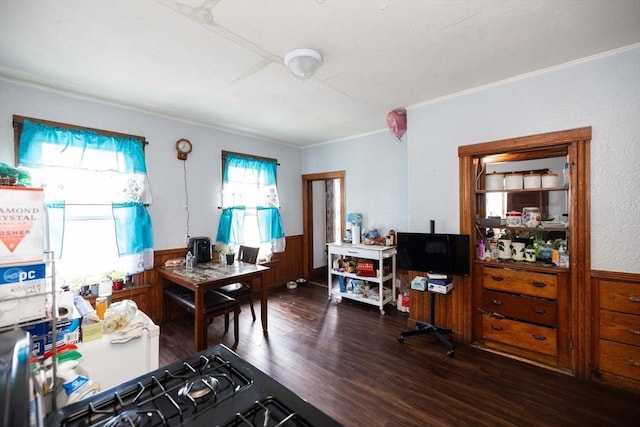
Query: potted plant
[[504, 245], [117, 280], [530, 253], [228, 253]]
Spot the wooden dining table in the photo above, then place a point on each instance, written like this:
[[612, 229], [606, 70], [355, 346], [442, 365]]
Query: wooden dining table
[[212, 275]]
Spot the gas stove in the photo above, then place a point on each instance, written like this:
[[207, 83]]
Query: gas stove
[[215, 387]]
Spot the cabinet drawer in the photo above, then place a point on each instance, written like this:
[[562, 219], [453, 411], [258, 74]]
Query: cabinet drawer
[[355, 251], [620, 327], [621, 359], [617, 296], [531, 309], [519, 334], [521, 282]]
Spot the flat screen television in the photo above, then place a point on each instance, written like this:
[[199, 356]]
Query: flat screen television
[[434, 253]]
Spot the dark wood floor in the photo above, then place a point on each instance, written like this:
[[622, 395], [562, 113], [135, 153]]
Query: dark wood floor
[[345, 359]]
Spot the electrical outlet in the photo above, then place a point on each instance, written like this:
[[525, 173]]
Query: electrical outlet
[[186, 239]]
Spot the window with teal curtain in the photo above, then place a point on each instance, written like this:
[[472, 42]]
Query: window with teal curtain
[[251, 207], [96, 189]]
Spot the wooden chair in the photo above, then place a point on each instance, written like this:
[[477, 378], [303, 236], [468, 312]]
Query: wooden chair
[[215, 304], [240, 290]]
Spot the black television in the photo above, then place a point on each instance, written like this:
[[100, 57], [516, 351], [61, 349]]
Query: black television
[[433, 253]]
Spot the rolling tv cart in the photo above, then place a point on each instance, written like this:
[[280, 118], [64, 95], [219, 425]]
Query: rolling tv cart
[[431, 328]]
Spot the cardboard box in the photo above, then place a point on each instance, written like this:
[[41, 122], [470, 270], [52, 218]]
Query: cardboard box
[[67, 332], [439, 286], [419, 283], [91, 331], [22, 224], [22, 293]]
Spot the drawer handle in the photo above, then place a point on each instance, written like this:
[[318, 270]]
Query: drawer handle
[[496, 327], [633, 298], [486, 313], [539, 337], [496, 302], [633, 363], [634, 331], [538, 284], [497, 278], [539, 310], [352, 252]]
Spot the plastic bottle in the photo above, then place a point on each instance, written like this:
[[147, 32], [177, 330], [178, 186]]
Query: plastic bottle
[[76, 386], [481, 249], [189, 260], [563, 257], [105, 289]]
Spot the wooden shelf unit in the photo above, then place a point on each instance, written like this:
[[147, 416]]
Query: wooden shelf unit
[[560, 339]]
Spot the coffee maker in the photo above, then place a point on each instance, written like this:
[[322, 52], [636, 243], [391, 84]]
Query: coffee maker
[[200, 247]]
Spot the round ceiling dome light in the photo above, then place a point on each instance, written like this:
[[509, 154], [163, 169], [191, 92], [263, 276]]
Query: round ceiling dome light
[[303, 63]]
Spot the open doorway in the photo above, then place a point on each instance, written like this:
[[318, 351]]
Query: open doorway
[[323, 207]]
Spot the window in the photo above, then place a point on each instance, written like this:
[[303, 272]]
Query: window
[[251, 207], [95, 188]]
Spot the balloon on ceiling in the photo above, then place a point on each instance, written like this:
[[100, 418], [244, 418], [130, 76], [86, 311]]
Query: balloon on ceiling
[[397, 122]]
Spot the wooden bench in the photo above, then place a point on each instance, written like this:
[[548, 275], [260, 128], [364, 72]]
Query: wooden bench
[[215, 304]]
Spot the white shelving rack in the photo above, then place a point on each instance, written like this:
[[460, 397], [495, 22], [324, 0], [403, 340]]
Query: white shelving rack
[[377, 290]]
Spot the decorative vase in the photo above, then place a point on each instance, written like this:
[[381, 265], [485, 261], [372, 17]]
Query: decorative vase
[[230, 258], [530, 254], [504, 249], [517, 251], [531, 217]]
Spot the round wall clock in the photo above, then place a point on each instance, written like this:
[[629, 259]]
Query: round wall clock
[[184, 147]]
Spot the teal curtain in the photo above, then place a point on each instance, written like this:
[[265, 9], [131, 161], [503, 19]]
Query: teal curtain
[[66, 161], [243, 168], [230, 227], [250, 182], [133, 227], [79, 149], [270, 227], [56, 216]]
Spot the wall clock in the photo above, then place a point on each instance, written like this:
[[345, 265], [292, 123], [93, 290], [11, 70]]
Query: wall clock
[[184, 147]]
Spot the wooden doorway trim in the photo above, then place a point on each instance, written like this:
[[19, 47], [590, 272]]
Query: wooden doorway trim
[[307, 213]]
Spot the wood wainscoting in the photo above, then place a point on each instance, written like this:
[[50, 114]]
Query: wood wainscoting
[[284, 266], [615, 337]]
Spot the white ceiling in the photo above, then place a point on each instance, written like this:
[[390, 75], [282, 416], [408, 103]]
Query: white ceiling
[[219, 62]]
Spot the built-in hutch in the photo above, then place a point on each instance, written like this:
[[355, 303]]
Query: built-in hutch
[[533, 311]]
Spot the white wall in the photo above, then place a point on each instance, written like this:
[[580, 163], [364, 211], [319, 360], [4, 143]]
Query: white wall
[[375, 176], [400, 186], [168, 213], [602, 92]]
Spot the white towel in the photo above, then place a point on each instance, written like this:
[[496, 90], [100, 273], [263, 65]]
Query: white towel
[[132, 330]]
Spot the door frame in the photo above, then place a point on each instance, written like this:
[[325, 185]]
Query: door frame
[[307, 213]]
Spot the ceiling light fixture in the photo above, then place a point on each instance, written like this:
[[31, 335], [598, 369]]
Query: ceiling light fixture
[[303, 63]]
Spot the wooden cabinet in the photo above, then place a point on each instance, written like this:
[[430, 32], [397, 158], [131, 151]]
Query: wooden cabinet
[[531, 311], [617, 337], [137, 293], [524, 313]]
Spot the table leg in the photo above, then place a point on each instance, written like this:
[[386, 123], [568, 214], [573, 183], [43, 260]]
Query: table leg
[[263, 302], [200, 326]]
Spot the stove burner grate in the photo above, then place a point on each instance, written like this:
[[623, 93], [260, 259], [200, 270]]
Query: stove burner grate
[[175, 395], [198, 388], [133, 418], [269, 412]]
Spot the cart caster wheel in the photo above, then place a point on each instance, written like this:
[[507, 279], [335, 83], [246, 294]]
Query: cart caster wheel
[[382, 312], [400, 339], [450, 353]]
